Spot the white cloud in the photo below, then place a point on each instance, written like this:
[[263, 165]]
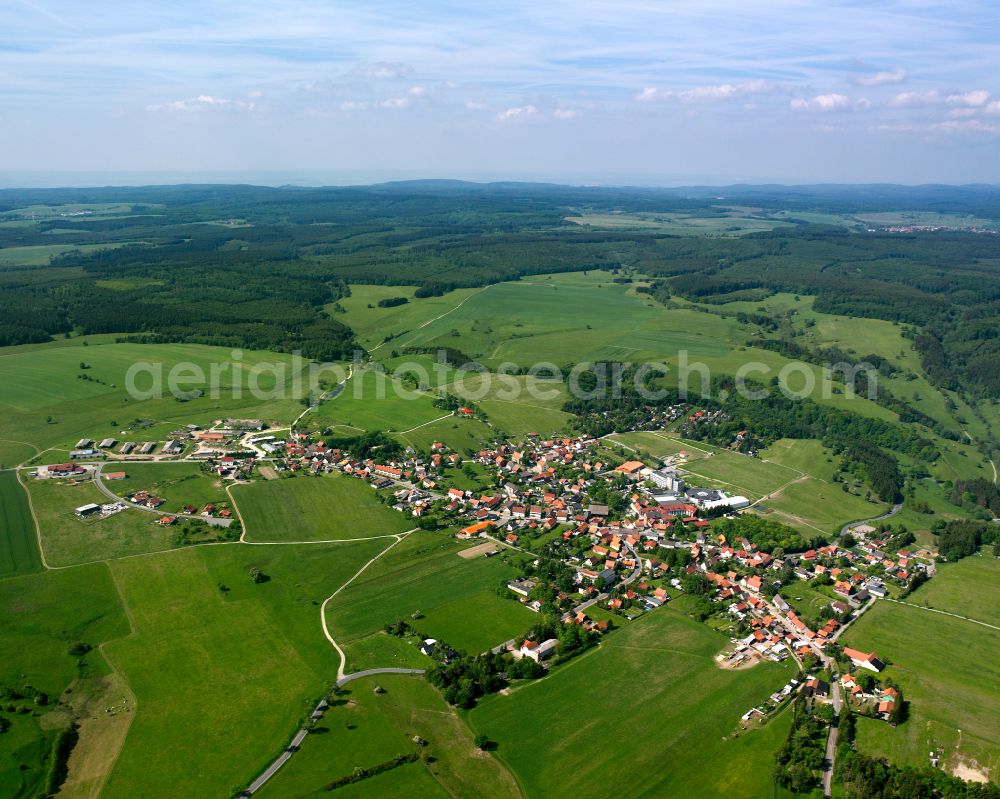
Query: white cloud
[[395, 102], [882, 78], [993, 109], [565, 113], [353, 105], [517, 113], [417, 91], [203, 102], [970, 99], [821, 102], [382, 70], [862, 104], [723, 91], [476, 105]]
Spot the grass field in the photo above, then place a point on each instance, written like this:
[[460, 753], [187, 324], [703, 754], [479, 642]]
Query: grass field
[[740, 474], [373, 400], [315, 508], [41, 617], [18, 541], [425, 574], [803, 455], [366, 728], [178, 483], [462, 435], [41, 254], [814, 506], [222, 677], [44, 404], [68, 539], [13, 453], [517, 404], [730, 223], [948, 671], [648, 709], [970, 587], [662, 445], [499, 619]]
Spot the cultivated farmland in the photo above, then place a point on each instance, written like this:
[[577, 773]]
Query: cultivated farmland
[[18, 540]]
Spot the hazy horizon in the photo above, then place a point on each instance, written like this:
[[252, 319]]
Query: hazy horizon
[[677, 93]]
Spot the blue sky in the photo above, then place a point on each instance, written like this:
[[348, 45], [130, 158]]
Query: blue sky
[[633, 91]]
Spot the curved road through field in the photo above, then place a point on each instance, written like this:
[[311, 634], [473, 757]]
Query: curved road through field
[[895, 509], [342, 678]]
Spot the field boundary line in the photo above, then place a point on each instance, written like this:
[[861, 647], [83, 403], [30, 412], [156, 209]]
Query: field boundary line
[[327, 541], [38, 526], [432, 421], [944, 613]]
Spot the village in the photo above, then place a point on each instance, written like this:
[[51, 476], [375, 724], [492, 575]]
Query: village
[[618, 539]]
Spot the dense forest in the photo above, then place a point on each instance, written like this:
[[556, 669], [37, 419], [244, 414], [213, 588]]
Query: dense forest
[[263, 267]]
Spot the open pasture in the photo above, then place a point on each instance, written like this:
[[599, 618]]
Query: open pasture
[[43, 616], [44, 403], [662, 445], [364, 728], [948, 672], [178, 483], [653, 681], [315, 508], [423, 575], [69, 540], [813, 506], [970, 587], [219, 663], [18, 540], [42, 254], [374, 400], [461, 435]]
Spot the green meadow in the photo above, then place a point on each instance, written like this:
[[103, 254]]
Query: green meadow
[[970, 587], [41, 254], [948, 672], [424, 575], [662, 445], [812, 506], [461, 435], [315, 508], [373, 400], [178, 483], [499, 619], [653, 688], [363, 728], [69, 540], [42, 617], [13, 453], [18, 540], [45, 403], [223, 669]]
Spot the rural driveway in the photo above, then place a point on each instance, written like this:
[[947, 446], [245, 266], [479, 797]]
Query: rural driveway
[[895, 509], [214, 521]]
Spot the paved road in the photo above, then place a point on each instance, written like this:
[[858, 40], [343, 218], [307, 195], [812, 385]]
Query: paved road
[[283, 758], [895, 509], [831, 741], [211, 520], [317, 714], [370, 672]]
